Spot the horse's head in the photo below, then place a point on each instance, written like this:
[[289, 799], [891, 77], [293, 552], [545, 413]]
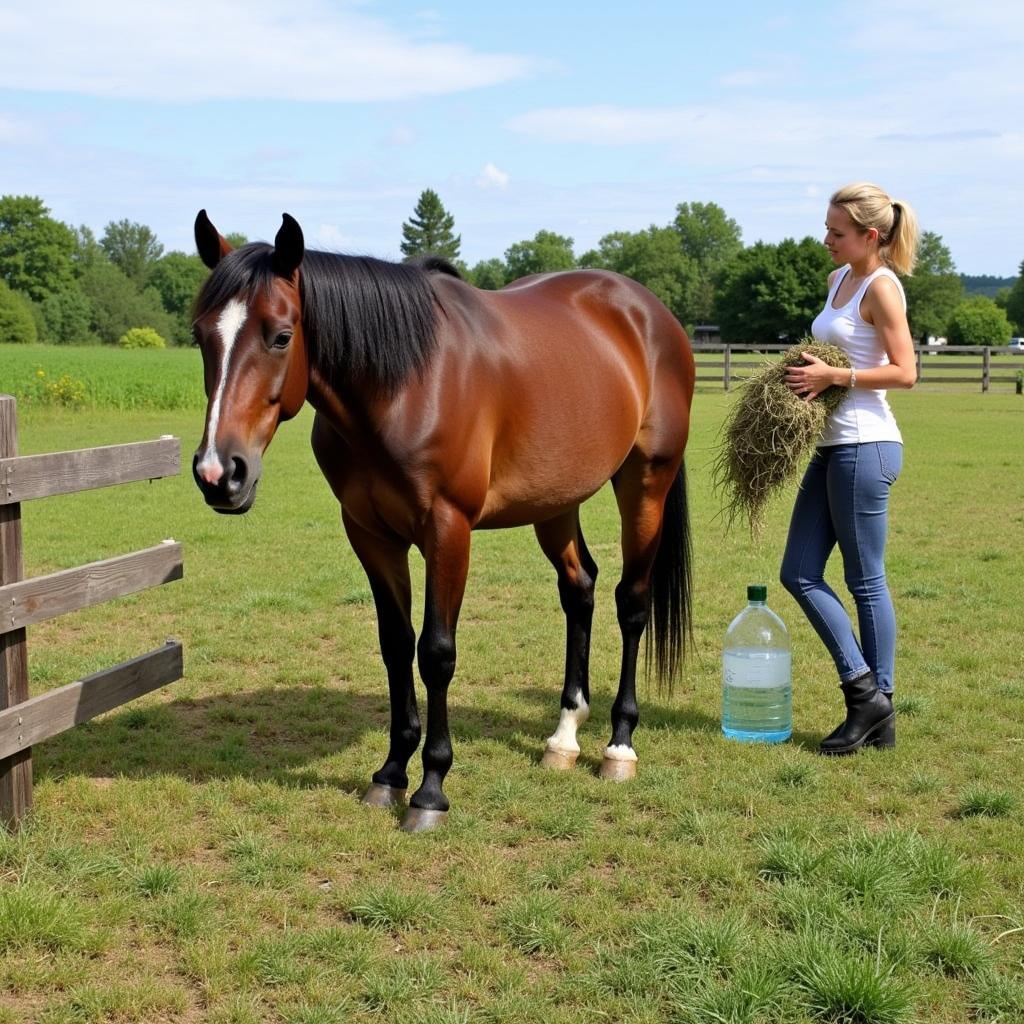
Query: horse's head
[[248, 323]]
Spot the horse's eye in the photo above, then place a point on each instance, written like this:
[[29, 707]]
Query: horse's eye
[[281, 341]]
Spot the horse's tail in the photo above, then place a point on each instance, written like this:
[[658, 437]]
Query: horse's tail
[[670, 595]]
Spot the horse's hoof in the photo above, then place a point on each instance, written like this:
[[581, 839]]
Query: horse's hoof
[[418, 819], [379, 795], [560, 760], [616, 770]]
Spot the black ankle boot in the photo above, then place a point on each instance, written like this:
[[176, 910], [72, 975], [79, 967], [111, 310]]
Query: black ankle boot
[[870, 719]]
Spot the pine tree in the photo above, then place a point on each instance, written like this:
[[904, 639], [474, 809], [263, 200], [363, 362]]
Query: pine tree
[[430, 229]]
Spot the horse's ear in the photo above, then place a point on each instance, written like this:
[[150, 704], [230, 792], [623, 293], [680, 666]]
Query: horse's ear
[[211, 246], [288, 247]]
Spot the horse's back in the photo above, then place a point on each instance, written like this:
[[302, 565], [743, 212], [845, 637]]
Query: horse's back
[[562, 372]]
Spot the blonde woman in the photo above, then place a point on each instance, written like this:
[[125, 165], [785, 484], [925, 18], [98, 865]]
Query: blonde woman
[[844, 496]]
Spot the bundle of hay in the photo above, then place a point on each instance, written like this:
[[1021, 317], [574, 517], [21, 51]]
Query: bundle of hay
[[770, 432]]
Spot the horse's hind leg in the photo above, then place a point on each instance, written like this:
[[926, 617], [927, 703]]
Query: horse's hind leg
[[641, 485], [562, 541], [386, 563]]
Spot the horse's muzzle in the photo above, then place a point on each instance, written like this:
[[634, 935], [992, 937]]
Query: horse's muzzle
[[235, 491]]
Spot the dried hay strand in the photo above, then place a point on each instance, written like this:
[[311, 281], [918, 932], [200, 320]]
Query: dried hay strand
[[769, 433]]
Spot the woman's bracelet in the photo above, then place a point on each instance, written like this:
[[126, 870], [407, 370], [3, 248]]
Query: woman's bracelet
[[853, 377]]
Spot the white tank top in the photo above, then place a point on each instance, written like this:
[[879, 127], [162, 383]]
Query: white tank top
[[864, 414]]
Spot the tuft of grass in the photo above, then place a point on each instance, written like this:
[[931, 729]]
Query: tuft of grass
[[399, 983], [938, 871], [254, 861], [867, 878], [558, 871], [799, 906], [433, 1013], [921, 782], [694, 826], [956, 949], [314, 1011], [983, 801], [997, 998], [183, 916], [390, 909], [33, 916], [754, 994], [797, 775], [157, 880], [785, 857], [273, 962], [911, 705], [687, 946], [838, 986], [532, 924], [14, 849]]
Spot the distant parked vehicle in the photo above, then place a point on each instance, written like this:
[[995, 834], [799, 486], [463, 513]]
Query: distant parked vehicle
[[1017, 344]]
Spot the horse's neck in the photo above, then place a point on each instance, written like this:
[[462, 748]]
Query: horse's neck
[[347, 412], [329, 404]]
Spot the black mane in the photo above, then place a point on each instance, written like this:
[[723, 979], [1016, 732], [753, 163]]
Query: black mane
[[366, 321]]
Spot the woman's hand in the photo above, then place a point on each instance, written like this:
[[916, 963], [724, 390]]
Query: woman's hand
[[807, 382]]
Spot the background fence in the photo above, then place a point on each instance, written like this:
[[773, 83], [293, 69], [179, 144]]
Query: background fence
[[983, 366], [25, 721]]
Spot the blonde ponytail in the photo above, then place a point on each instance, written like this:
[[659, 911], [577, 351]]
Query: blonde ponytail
[[894, 220]]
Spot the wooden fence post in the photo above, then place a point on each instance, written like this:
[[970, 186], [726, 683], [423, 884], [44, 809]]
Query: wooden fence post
[[16, 770], [986, 368], [727, 368]]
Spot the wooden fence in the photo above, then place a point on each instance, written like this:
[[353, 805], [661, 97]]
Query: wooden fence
[[23, 602], [935, 365]]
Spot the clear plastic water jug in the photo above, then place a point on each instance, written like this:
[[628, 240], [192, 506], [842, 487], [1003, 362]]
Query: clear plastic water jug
[[757, 690]]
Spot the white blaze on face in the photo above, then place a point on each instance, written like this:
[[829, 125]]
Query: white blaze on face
[[564, 738], [229, 323]]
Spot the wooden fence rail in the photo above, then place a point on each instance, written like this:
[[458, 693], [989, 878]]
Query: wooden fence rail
[[935, 365], [25, 721]]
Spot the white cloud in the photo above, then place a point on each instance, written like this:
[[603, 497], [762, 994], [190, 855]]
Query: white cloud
[[746, 130], [330, 236], [310, 50], [492, 177]]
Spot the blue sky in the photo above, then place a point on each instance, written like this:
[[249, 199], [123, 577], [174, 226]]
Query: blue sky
[[579, 118]]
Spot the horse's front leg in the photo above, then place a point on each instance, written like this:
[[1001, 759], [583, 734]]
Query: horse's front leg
[[446, 551], [386, 562]]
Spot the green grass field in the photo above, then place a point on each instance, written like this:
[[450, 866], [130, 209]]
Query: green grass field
[[102, 376], [202, 855]]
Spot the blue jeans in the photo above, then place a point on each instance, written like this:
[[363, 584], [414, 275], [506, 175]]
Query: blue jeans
[[844, 499]]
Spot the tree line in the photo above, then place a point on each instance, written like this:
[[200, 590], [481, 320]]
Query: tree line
[[62, 285]]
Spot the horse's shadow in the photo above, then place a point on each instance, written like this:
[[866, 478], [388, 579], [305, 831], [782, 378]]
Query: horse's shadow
[[297, 736]]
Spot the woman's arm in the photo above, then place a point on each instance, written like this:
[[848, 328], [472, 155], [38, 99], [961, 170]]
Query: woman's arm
[[882, 307]]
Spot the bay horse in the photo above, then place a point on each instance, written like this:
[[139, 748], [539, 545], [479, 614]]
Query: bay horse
[[443, 409]]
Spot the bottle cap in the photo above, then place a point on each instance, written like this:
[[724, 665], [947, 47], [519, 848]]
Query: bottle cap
[[757, 592]]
